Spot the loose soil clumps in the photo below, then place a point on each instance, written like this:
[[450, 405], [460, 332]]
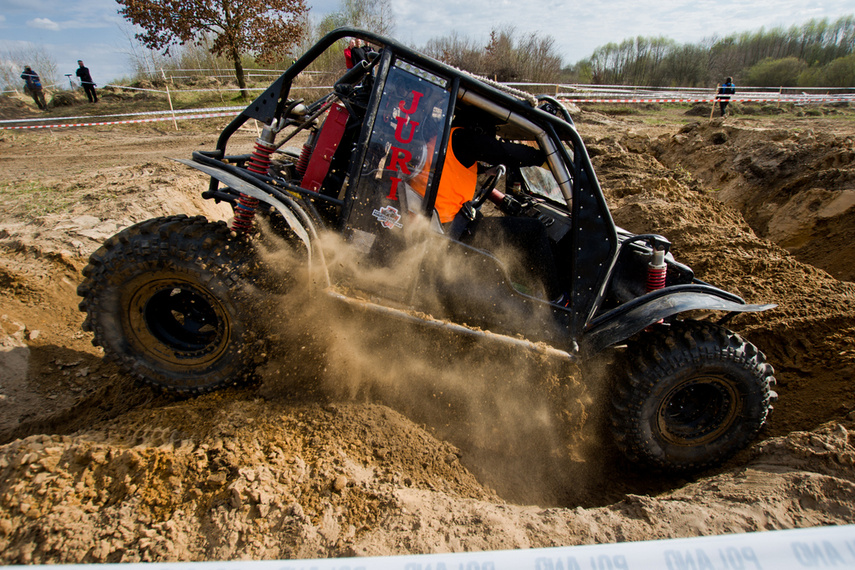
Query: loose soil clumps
[[328, 455], [793, 186]]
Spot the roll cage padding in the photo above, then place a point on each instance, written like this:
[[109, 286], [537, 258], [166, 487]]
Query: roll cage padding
[[327, 143]]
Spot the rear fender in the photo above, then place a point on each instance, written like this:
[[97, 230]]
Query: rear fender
[[630, 318], [286, 210]]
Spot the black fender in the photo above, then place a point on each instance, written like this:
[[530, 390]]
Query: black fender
[[634, 316], [290, 212]]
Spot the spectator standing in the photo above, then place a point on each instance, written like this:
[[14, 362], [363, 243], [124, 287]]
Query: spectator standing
[[361, 52], [33, 85], [86, 82], [724, 93], [348, 53], [356, 52]]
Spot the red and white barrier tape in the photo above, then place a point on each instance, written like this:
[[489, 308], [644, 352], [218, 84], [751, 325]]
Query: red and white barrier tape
[[103, 123], [711, 99], [176, 112]]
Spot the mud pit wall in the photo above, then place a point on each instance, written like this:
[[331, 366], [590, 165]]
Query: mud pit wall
[[341, 452], [794, 187], [809, 337]]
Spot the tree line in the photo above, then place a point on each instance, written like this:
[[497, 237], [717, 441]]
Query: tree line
[[240, 34], [818, 53]]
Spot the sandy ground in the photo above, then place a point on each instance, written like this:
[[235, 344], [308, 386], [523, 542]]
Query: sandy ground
[[347, 452]]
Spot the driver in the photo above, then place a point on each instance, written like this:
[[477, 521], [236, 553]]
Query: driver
[[473, 140]]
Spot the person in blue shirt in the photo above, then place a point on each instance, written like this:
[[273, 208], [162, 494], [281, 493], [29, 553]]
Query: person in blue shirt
[[724, 93], [34, 87]]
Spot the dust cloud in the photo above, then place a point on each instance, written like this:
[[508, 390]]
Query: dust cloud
[[521, 418]]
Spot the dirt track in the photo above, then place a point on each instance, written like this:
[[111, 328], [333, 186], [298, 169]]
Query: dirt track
[[329, 456]]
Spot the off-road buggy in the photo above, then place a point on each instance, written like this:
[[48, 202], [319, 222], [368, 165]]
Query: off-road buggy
[[171, 299]]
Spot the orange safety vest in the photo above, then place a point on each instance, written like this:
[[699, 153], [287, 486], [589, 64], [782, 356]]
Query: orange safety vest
[[456, 185]]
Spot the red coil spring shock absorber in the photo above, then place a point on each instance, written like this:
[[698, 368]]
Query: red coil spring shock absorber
[[306, 154], [259, 162], [244, 214], [657, 271], [303, 161]]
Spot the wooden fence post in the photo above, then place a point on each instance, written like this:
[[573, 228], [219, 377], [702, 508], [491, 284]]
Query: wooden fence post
[[169, 98], [712, 111]]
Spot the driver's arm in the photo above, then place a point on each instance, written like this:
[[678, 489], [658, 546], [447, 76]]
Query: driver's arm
[[471, 146]]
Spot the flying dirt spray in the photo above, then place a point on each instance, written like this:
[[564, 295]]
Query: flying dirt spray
[[522, 418]]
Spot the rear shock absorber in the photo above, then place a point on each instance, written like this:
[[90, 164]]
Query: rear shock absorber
[[657, 271], [303, 161], [305, 155], [259, 162]]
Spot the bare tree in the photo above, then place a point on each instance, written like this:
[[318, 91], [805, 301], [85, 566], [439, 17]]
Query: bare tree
[[456, 50], [264, 28], [532, 58], [143, 61], [372, 15], [13, 61]]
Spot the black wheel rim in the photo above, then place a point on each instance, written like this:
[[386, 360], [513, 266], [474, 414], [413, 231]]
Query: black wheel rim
[[698, 411], [179, 323]]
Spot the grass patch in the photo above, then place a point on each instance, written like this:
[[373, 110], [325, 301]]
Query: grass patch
[[32, 199], [611, 110]]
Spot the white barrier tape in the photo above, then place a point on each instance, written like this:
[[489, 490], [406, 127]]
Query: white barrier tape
[[174, 91], [182, 114], [152, 120], [134, 88], [825, 547]]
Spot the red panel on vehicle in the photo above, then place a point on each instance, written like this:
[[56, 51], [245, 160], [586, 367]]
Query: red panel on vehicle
[[328, 141]]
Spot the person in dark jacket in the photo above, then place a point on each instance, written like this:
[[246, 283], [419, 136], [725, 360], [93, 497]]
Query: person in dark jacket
[[724, 93], [86, 82], [356, 52], [33, 86]]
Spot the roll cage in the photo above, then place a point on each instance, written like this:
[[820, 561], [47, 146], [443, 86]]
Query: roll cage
[[399, 94]]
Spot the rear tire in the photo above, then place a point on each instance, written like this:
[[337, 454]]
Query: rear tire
[[170, 302], [689, 396]]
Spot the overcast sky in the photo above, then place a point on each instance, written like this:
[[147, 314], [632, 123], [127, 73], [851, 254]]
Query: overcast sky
[[93, 31]]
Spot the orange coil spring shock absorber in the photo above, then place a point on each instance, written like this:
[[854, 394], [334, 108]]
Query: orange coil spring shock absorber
[[657, 271], [259, 162]]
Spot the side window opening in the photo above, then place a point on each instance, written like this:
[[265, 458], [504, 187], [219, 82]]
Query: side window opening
[[402, 149]]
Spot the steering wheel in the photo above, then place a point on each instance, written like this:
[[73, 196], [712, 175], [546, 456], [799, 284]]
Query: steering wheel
[[484, 191]]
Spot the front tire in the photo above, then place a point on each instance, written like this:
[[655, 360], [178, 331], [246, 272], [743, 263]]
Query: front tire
[[689, 396], [170, 302]]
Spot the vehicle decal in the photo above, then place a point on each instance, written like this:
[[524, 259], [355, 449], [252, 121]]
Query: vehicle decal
[[401, 156], [388, 216]]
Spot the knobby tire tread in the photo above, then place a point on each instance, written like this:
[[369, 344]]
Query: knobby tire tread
[[203, 250], [669, 351]]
